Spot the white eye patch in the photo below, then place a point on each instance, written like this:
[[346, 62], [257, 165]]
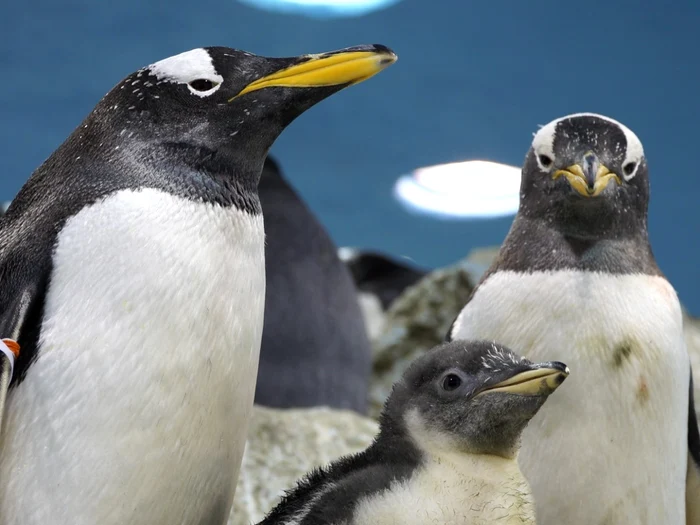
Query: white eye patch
[[194, 68], [543, 144]]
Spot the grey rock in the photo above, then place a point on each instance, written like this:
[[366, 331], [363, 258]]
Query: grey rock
[[283, 445]]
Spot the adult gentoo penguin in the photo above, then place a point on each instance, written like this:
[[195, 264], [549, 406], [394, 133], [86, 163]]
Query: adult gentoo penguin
[[446, 450], [314, 342], [132, 275], [576, 279]]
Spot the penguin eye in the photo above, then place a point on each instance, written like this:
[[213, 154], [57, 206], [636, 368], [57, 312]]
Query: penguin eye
[[202, 84], [545, 160], [451, 382], [629, 168]]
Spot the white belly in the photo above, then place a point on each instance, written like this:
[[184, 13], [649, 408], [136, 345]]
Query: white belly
[[137, 408], [456, 490], [610, 445]]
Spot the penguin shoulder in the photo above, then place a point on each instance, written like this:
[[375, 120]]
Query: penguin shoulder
[[328, 495]]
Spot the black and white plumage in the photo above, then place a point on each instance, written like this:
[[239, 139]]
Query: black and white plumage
[[576, 279], [446, 451], [132, 274], [315, 350]]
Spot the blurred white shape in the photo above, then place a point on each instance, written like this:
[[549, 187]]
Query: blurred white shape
[[474, 189], [321, 8]]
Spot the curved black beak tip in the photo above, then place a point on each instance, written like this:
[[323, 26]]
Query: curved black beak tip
[[378, 48], [558, 365]]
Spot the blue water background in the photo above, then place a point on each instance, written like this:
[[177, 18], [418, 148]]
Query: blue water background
[[474, 80]]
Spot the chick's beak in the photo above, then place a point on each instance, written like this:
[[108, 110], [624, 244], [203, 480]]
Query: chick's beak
[[589, 177], [540, 379]]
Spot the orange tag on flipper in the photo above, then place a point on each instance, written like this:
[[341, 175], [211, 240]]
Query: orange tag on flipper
[[10, 348], [13, 346]]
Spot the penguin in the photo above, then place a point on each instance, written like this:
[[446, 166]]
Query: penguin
[[446, 451], [380, 279], [314, 341], [576, 278], [132, 275]]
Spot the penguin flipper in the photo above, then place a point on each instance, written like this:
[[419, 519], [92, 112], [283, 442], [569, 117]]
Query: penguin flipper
[[21, 307], [692, 488]]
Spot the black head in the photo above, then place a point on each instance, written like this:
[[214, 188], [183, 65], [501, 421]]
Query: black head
[[470, 396], [221, 108], [586, 174]]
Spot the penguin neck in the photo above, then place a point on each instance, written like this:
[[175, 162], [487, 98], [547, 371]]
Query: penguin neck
[[440, 448], [219, 176], [538, 245]]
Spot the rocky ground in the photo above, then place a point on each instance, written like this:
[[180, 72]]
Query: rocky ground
[[285, 444]]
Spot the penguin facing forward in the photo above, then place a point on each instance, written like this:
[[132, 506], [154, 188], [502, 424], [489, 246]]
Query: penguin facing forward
[[446, 450], [314, 341], [576, 279], [132, 274]]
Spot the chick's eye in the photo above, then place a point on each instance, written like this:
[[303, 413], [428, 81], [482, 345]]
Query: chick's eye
[[451, 382], [629, 168], [545, 161], [202, 84]]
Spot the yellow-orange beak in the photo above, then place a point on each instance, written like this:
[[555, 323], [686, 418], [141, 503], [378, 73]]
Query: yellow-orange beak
[[589, 180], [337, 68]]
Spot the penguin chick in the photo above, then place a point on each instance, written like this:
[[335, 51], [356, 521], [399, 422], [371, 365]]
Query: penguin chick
[[447, 448]]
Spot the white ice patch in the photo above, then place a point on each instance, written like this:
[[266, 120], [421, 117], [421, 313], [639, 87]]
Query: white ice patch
[[321, 8], [188, 67], [461, 190]]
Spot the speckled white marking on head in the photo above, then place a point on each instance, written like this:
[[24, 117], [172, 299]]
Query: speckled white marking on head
[[543, 142], [186, 68], [496, 359]]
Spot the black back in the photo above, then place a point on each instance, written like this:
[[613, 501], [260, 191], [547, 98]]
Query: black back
[[315, 350]]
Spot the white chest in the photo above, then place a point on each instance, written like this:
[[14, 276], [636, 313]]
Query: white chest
[[453, 490], [137, 407], [610, 445]]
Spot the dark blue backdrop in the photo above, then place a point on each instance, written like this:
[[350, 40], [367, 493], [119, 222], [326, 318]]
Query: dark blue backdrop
[[474, 79]]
